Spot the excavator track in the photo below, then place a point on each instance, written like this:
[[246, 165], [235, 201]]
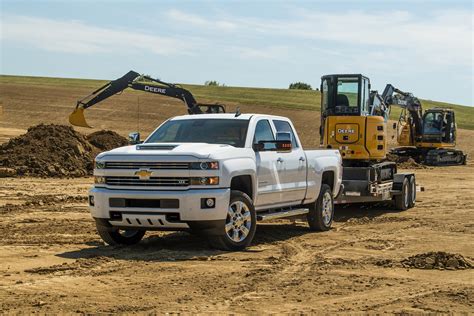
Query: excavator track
[[445, 157]]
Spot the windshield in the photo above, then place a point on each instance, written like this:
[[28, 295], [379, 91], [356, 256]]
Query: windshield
[[347, 95], [433, 123], [213, 131]]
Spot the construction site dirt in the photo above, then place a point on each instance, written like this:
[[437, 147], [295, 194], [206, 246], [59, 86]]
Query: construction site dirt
[[373, 259]]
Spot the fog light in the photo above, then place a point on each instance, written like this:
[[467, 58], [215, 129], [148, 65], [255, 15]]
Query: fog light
[[91, 200], [210, 202]]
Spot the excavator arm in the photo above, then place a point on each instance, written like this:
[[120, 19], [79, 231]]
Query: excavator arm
[[139, 82]]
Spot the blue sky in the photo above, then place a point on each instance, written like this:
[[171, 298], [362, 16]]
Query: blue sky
[[425, 47]]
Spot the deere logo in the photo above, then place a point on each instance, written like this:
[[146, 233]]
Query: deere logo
[[345, 131], [143, 174]]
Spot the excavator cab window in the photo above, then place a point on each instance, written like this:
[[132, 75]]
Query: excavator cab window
[[433, 123], [347, 96]]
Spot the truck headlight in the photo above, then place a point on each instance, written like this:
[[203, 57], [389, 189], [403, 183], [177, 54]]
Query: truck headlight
[[205, 181], [205, 165], [99, 180], [99, 164]]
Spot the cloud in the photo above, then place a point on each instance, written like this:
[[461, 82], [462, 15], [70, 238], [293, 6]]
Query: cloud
[[77, 37], [438, 37], [196, 20]]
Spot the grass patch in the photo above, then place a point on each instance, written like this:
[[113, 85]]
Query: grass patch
[[280, 98]]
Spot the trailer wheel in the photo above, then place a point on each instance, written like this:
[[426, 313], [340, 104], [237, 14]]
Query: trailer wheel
[[402, 201], [412, 184], [120, 237], [321, 213], [240, 224]]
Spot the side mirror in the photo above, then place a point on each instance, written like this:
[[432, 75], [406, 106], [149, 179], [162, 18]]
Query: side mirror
[[394, 125], [283, 136], [134, 138], [283, 145], [260, 146]]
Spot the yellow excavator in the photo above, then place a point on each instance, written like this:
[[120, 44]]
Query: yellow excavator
[[139, 82], [428, 137], [354, 121]]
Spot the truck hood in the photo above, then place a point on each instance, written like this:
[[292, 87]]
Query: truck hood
[[197, 150]]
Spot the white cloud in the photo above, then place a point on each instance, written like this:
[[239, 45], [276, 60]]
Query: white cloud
[[77, 37], [196, 20]]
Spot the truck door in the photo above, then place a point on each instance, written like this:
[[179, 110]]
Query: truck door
[[269, 171], [294, 166]]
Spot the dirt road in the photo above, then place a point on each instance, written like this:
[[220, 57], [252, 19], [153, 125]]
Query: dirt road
[[52, 261]]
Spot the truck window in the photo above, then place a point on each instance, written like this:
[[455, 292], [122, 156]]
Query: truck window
[[284, 126], [212, 131], [263, 132]]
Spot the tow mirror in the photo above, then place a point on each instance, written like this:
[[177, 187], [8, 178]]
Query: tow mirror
[[134, 138], [283, 145], [260, 146]]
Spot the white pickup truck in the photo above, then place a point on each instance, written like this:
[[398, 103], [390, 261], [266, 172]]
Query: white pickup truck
[[214, 174]]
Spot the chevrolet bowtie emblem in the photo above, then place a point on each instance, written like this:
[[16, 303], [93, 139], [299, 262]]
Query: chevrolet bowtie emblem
[[143, 174]]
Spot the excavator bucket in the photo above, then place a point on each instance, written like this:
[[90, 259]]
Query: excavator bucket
[[77, 118]]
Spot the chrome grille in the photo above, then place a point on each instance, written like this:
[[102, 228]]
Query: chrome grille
[[151, 182], [147, 165]]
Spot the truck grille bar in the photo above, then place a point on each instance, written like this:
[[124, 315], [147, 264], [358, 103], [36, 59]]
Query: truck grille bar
[[152, 181], [147, 165]]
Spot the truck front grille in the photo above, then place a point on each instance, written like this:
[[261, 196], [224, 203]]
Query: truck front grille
[[147, 165], [151, 182]]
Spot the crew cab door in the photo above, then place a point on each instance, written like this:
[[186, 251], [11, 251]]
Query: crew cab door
[[269, 171], [293, 176]]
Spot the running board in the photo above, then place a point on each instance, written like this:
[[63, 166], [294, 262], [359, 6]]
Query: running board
[[281, 214]]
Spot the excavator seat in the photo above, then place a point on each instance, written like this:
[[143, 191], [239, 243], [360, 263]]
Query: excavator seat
[[342, 100]]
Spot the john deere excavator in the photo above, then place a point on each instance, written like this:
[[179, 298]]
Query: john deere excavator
[[145, 83], [428, 137], [354, 121]]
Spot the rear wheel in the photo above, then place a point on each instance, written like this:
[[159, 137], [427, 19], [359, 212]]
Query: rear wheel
[[119, 236], [321, 212], [402, 201], [412, 185], [240, 224]]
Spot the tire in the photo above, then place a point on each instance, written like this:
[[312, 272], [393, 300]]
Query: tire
[[240, 224], [120, 237], [321, 212], [402, 201], [412, 186]]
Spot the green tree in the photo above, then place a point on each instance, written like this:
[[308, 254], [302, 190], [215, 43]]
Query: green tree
[[300, 86]]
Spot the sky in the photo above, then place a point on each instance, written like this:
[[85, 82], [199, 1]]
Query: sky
[[425, 47]]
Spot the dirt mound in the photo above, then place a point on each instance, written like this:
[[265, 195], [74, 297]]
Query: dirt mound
[[437, 260], [405, 162], [55, 151], [49, 150], [106, 140]]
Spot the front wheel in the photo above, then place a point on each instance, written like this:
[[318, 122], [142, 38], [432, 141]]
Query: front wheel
[[120, 237], [240, 224], [402, 201], [321, 212]]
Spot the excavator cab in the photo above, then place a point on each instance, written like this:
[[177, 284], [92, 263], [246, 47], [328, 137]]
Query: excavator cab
[[348, 119], [439, 126]]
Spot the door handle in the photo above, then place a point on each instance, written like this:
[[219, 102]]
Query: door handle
[[279, 160], [302, 159]]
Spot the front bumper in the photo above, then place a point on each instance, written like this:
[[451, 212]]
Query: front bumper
[[190, 212]]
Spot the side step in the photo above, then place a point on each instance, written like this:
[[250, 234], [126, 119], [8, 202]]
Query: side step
[[282, 214]]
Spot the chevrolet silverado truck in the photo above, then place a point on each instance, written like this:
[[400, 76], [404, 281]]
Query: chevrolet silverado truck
[[216, 175]]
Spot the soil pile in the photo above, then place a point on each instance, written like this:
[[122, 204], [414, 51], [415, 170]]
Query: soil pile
[[437, 260], [55, 151], [106, 140], [405, 162]]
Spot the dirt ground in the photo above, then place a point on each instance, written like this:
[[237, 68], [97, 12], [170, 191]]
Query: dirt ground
[[52, 261]]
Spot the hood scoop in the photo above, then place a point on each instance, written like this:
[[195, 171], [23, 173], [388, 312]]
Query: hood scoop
[[156, 147]]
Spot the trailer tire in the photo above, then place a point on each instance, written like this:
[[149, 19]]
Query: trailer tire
[[120, 237], [412, 185], [321, 212], [240, 224], [402, 201]]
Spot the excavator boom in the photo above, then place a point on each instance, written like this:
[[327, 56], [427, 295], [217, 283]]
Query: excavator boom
[[139, 82]]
